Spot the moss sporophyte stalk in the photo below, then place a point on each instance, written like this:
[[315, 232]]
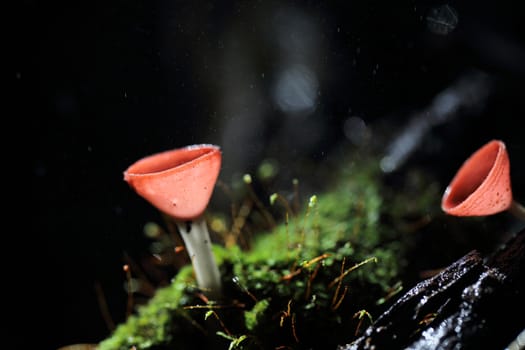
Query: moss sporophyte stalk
[[311, 280]]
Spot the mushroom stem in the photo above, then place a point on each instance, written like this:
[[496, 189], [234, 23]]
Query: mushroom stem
[[197, 240], [517, 210]]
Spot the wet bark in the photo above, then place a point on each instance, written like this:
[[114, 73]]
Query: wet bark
[[475, 303]]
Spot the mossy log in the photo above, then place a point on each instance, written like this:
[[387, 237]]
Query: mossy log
[[476, 302]]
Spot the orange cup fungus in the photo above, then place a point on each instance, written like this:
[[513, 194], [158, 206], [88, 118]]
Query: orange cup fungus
[[482, 185], [180, 183]]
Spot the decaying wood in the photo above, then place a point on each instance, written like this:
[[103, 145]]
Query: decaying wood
[[475, 303]]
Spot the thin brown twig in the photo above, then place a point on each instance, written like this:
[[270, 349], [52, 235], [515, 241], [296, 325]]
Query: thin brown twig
[[343, 275], [239, 221], [129, 306], [279, 197], [309, 282], [103, 306], [147, 286], [264, 211], [340, 301], [223, 326], [336, 293]]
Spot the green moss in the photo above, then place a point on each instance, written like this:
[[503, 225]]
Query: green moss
[[255, 315], [152, 323], [314, 274]]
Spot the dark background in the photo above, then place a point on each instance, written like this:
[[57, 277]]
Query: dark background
[[101, 84]]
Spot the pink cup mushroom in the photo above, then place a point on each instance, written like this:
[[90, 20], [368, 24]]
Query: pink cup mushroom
[[180, 183], [482, 185]]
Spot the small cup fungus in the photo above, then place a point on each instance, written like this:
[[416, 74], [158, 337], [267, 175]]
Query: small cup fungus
[[180, 183], [482, 185]]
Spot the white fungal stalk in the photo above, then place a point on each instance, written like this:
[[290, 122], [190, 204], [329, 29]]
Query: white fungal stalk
[[198, 245]]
